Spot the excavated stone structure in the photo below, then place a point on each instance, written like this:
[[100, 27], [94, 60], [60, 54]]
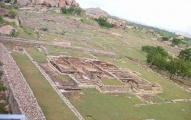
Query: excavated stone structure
[[88, 73]]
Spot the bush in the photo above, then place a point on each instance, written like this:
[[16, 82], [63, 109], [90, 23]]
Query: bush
[[71, 9], [12, 14], [27, 31], [64, 10], [44, 29], [1, 20], [14, 34], [78, 11], [1, 73], [1, 63], [63, 32], [3, 88], [176, 41], [164, 38], [103, 22]]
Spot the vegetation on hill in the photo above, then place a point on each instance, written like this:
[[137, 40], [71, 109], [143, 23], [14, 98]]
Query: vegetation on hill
[[159, 58], [72, 10], [102, 21], [157, 30]]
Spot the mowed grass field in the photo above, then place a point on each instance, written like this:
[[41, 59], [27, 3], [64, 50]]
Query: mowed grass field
[[52, 105], [96, 106]]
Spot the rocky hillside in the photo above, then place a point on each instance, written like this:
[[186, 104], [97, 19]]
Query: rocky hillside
[[53, 3], [97, 11]]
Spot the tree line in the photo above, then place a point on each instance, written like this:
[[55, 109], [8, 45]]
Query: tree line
[[158, 57]]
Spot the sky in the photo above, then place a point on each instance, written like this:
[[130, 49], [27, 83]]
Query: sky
[[168, 14]]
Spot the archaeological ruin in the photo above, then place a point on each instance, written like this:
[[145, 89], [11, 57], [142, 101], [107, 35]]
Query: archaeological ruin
[[89, 73]]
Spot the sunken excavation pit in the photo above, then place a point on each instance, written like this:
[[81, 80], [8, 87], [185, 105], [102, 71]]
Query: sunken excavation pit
[[89, 73]]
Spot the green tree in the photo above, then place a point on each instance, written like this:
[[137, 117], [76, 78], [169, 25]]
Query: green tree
[[78, 11], [164, 38], [148, 48], [64, 10], [185, 54], [172, 67], [176, 41], [70, 10], [102, 21]]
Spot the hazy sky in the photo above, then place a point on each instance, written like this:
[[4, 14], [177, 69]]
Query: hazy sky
[[169, 14]]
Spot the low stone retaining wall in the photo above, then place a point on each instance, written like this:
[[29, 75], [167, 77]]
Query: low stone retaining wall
[[21, 98], [73, 109], [24, 42]]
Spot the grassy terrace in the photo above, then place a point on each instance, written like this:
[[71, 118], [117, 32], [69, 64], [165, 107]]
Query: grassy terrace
[[107, 81], [36, 55], [52, 105], [96, 106]]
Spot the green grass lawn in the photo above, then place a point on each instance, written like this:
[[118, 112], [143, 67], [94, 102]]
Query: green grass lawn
[[36, 55], [96, 106], [107, 81], [69, 52], [52, 105]]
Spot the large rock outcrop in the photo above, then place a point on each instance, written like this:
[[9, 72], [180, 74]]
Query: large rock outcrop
[[97, 12], [3, 11], [53, 3], [23, 2], [117, 23], [7, 30]]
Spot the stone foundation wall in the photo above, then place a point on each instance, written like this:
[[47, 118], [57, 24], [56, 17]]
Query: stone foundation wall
[[21, 98], [23, 42]]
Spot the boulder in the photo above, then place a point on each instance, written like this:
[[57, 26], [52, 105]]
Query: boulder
[[151, 31], [3, 102], [6, 108], [11, 20], [7, 30], [38, 2], [97, 12], [117, 35], [69, 2], [62, 3], [23, 2], [130, 27], [51, 3], [180, 37], [3, 11]]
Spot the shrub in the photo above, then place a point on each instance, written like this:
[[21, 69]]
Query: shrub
[[63, 32], [1, 73], [103, 22], [12, 14], [14, 34], [164, 38], [176, 41], [27, 31], [44, 29], [1, 63], [3, 88], [78, 11], [64, 10], [71, 9], [1, 20]]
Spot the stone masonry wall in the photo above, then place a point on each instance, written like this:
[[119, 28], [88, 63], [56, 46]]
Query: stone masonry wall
[[21, 97]]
